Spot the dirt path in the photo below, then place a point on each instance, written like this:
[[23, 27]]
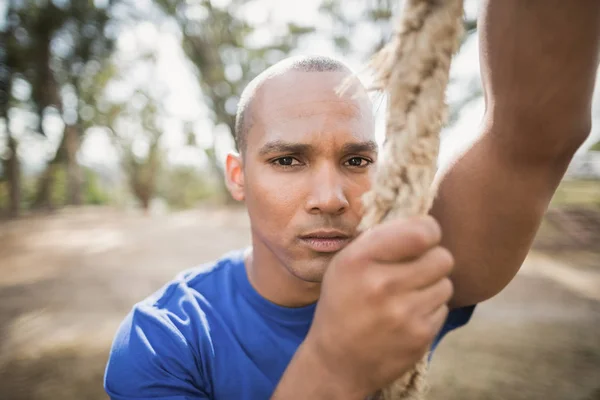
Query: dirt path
[[67, 280], [538, 339]]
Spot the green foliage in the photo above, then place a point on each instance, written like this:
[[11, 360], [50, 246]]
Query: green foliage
[[58, 194], [184, 187], [3, 194], [28, 192], [577, 192], [595, 146], [380, 14], [93, 193], [57, 47]]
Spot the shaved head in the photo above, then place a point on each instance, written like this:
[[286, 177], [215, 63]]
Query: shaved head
[[244, 115]]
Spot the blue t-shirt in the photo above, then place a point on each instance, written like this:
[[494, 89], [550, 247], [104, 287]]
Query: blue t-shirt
[[209, 335]]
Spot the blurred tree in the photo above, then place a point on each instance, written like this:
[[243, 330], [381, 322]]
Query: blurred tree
[[10, 159], [142, 166], [135, 129], [219, 42], [183, 187], [135, 124], [57, 47]]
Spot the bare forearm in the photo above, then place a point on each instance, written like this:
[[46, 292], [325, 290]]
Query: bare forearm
[[538, 63], [490, 208], [307, 378]]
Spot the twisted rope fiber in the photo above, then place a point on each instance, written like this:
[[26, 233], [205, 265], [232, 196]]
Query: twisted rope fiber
[[413, 70]]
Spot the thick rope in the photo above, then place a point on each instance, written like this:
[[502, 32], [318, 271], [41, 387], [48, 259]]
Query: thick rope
[[413, 70]]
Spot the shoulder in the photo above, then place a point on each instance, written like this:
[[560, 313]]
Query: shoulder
[[165, 339]]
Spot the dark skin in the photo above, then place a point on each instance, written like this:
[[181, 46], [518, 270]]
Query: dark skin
[[383, 297]]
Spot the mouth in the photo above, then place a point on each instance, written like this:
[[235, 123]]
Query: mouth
[[325, 241]]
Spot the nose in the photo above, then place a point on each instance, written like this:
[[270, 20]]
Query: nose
[[327, 192]]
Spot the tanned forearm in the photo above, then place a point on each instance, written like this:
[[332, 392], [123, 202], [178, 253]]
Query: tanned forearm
[[306, 377], [538, 65]]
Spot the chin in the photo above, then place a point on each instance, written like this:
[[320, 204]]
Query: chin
[[310, 270]]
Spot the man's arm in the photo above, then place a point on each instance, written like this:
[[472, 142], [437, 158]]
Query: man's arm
[[538, 65]]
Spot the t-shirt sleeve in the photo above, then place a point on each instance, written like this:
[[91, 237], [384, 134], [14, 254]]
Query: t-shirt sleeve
[[151, 359], [456, 318]]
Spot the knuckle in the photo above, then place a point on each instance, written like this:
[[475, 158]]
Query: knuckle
[[401, 315], [444, 258], [425, 232], [419, 237], [422, 334], [438, 261], [438, 321], [376, 284], [447, 289]]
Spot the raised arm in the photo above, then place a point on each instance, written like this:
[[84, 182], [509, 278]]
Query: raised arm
[[538, 66]]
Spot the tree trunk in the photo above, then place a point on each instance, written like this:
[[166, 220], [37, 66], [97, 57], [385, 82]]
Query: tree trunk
[[43, 197], [45, 184], [46, 93], [13, 172], [12, 167], [145, 200], [74, 173]]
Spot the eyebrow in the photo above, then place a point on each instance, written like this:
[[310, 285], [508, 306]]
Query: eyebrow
[[280, 146], [361, 147]]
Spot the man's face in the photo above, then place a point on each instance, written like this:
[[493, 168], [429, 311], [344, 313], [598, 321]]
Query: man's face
[[309, 159]]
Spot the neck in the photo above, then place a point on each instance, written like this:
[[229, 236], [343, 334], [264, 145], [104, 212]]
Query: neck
[[273, 281]]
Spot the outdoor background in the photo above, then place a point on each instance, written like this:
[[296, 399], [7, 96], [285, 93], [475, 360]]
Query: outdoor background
[[115, 117]]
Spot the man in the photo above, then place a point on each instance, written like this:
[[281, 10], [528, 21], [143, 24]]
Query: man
[[249, 326]]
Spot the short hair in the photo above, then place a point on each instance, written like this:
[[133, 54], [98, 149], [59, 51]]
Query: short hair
[[310, 63]]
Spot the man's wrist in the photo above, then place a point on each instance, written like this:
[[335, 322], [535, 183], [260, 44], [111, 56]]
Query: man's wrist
[[308, 376]]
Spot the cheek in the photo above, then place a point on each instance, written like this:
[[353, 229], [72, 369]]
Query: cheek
[[357, 187], [272, 199]]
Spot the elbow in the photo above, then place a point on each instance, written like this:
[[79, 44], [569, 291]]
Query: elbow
[[468, 294], [536, 138]]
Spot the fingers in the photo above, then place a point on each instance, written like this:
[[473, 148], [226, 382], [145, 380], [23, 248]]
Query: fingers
[[437, 319], [399, 239], [417, 276], [434, 265], [428, 300], [400, 277]]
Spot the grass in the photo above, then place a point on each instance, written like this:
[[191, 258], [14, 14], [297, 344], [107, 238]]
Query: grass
[[572, 192]]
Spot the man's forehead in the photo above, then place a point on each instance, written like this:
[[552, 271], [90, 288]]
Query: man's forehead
[[300, 92], [301, 106]]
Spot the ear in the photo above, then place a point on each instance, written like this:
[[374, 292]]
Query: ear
[[234, 176]]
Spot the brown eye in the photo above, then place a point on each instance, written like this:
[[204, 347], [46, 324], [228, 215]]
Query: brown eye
[[358, 162], [285, 161]]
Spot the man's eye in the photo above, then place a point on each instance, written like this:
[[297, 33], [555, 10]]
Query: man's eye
[[358, 162], [286, 161]]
